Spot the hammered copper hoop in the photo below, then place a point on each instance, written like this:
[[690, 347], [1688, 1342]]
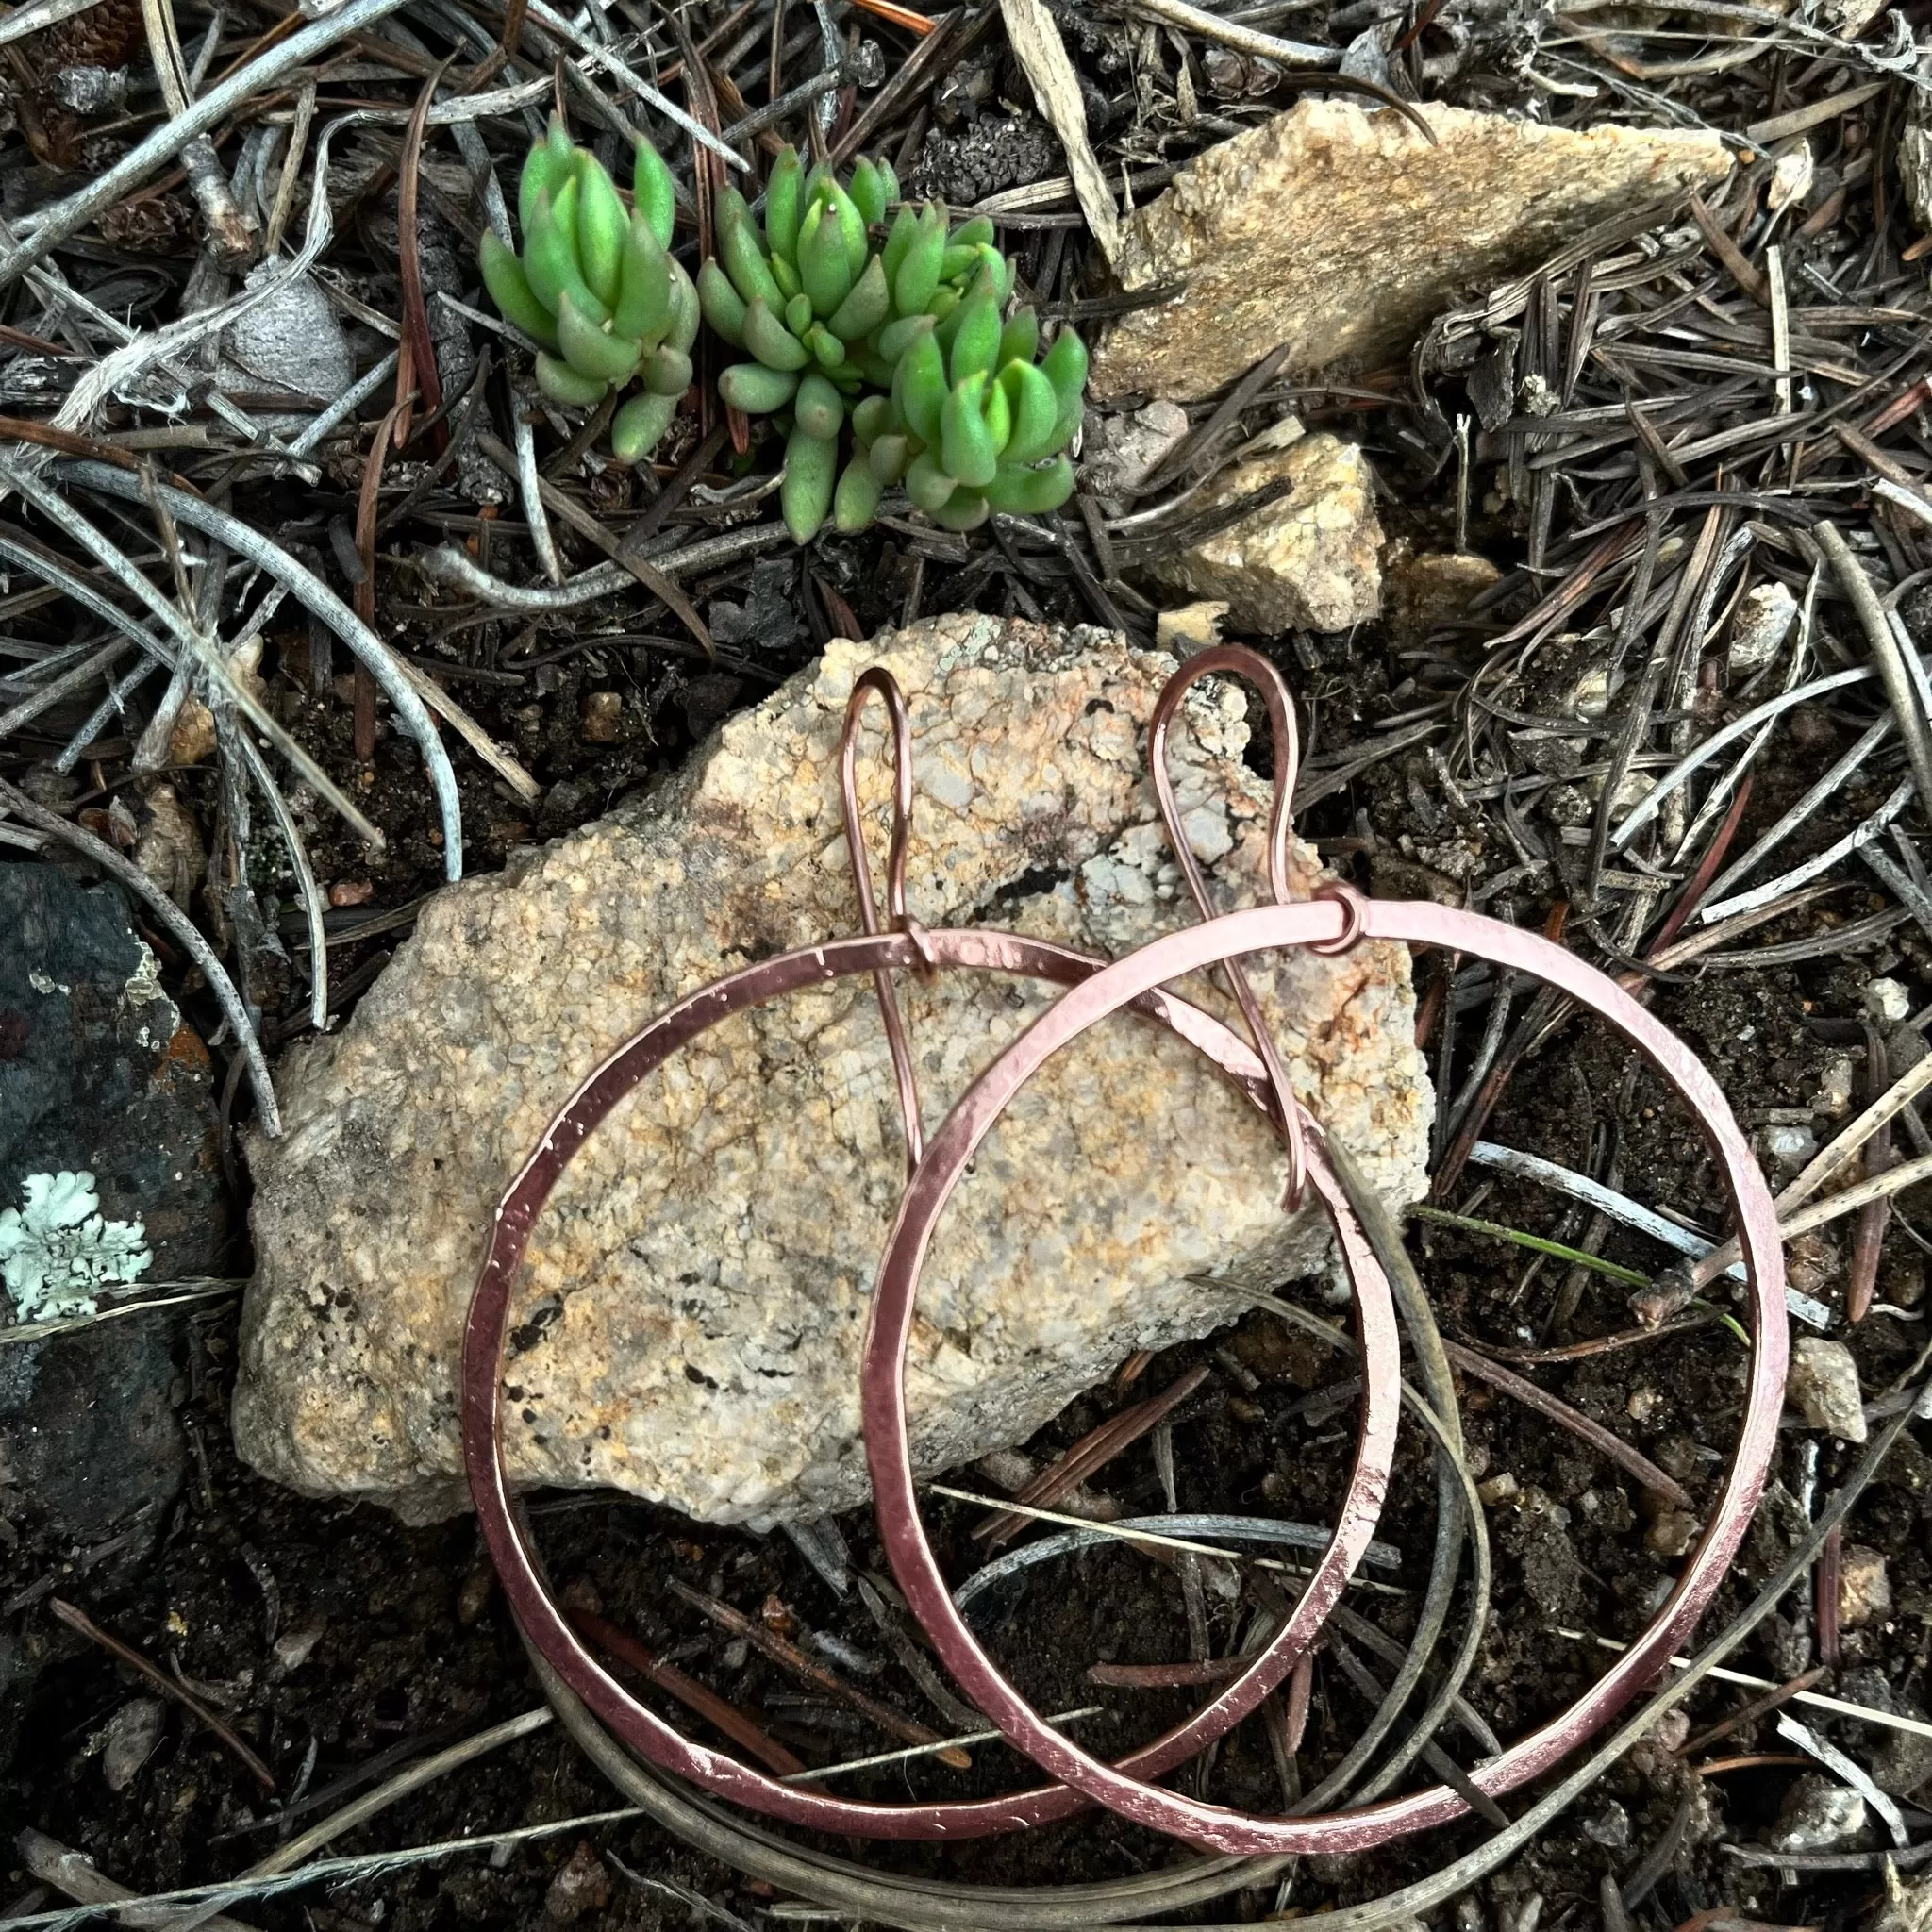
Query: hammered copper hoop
[[1235, 936], [912, 949]]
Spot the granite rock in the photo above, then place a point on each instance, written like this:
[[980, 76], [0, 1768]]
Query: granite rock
[[1306, 562], [687, 1327], [1342, 232]]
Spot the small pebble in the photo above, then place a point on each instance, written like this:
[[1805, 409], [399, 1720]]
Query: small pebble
[[1864, 1591], [1499, 1489], [129, 1739], [1610, 1828], [473, 1599], [351, 892], [294, 1647], [1786, 1145], [602, 715], [1887, 1001], [1834, 1094], [193, 737], [1824, 1387], [581, 1886], [1762, 623], [1818, 1815], [1643, 1404], [1672, 1533]]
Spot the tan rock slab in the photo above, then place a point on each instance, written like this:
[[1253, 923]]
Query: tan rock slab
[[1342, 232], [688, 1328]]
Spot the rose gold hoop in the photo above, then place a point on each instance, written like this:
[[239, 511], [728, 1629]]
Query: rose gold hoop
[[507, 1536], [1236, 936]]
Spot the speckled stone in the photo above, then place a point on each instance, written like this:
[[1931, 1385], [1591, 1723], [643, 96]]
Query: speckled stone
[[1309, 560], [689, 1325], [1342, 232]]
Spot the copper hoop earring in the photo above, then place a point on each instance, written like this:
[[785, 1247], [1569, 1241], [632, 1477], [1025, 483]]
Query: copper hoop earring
[[880, 954], [1233, 937]]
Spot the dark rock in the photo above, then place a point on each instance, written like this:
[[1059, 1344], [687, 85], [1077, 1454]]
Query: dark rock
[[99, 1075]]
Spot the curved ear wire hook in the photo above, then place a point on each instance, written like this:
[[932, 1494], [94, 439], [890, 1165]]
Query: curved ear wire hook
[[1267, 680], [881, 681]]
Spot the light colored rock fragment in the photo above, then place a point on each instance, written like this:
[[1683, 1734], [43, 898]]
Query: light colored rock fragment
[[1118, 453], [1824, 1387], [1864, 1588], [1342, 232], [1763, 623], [1818, 1815], [689, 1327], [1915, 164], [1887, 1001], [290, 341], [1190, 628], [1306, 562]]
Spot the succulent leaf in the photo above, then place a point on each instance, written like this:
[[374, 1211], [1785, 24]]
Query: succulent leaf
[[562, 384], [823, 265], [741, 252], [966, 444], [865, 307], [783, 196], [653, 191], [856, 500], [724, 307], [928, 483], [976, 337], [917, 278], [868, 192], [852, 228], [603, 229], [755, 388], [904, 231], [1035, 410], [771, 342], [509, 289], [818, 407], [922, 395], [872, 418], [642, 303], [667, 372], [594, 352], [965, 510], [1018, 490], [889, 455], [897, 337], [810, 470], [639, 424], [682, 330], [1020, 338]]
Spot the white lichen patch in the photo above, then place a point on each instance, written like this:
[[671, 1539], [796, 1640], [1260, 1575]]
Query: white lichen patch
[[58, 1252]]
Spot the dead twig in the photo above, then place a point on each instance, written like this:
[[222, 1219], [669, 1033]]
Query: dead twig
[[79, 1621]]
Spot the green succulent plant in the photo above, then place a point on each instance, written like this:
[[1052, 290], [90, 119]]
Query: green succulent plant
[[596, 287], [903, 337]]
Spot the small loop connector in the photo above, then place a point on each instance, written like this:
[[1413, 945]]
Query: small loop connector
[[878, 680], [1267, 680], [1241, 662], [1354, 918]]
